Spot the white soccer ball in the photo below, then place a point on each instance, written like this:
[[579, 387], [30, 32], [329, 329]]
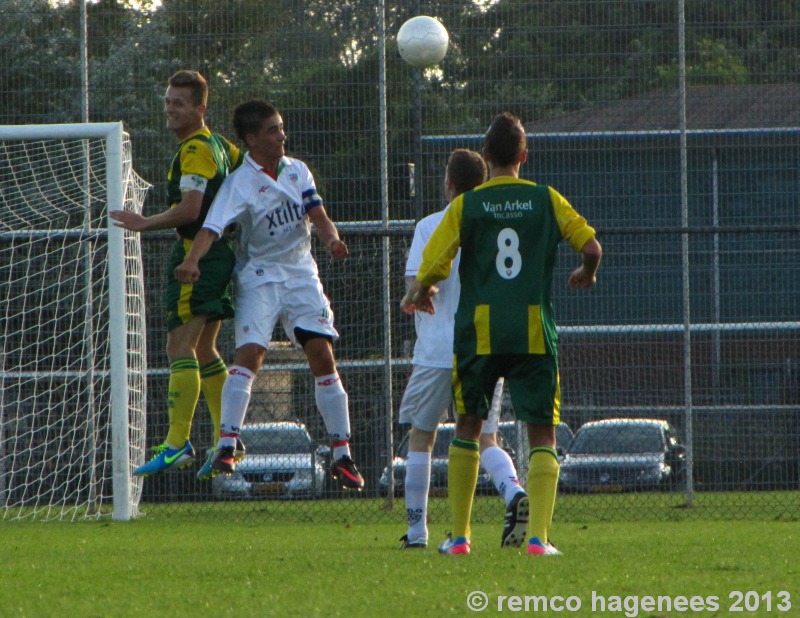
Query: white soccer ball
[[422, 41]]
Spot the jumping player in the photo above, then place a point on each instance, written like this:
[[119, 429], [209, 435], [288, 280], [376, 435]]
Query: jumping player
[[202, 162], [273, 200]]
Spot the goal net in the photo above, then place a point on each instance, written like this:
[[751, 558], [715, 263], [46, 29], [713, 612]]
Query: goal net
[[72, 370]]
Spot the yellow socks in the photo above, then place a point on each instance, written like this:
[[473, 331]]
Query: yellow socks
[[462, 475], [184, 391], [542, 486], [212, 379]]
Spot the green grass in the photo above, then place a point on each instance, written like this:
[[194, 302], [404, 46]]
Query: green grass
[[180, 561], [570, 508]]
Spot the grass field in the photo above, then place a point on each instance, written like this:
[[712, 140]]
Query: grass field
[[181, 561]]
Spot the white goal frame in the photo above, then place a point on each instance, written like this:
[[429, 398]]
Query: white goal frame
[[125, 503]]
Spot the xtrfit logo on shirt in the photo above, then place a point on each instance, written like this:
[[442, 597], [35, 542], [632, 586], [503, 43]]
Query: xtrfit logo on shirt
[[288, 212]]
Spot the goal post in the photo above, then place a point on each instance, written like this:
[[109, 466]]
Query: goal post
[[73, 366]]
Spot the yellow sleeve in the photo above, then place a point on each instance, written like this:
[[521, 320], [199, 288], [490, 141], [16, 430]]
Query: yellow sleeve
[[573, 227], [237, 155], [442, 246], [197, 159]]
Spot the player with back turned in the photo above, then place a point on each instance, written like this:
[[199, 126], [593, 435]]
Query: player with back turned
[[429, 394], [508, 230]]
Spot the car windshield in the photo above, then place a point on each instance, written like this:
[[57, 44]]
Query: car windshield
[[617, 440], [274, 441]]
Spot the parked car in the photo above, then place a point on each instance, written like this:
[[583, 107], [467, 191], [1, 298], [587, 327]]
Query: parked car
[[511, 437], [564, 437], [623, 454], [282, 462]]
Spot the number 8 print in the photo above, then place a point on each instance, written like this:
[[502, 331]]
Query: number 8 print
[[509, 260]]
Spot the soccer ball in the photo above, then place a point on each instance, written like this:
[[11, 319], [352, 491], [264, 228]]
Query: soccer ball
[[422, 41]]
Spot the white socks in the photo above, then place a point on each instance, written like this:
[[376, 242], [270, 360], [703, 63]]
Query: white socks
[[418, 482], [333, 406], [235, 398], [504, 476], [331, 401]]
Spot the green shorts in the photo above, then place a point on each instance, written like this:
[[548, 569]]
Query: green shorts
[[532, 381], [210, 294]]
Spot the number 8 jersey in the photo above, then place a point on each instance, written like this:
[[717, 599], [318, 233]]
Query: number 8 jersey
[[508, 230]]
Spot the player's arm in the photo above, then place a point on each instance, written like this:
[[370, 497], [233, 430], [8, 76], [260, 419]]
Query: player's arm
[[227, 206], [197, 165], [580, 236], [184, 212], [327, 233], [438, 255], [585, 276], [413, 261], [188, 271]]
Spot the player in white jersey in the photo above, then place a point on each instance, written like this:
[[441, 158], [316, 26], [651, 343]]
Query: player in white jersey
[[273, 201], [429, 392]]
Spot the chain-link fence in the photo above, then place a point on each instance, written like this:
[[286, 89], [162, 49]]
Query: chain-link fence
[[673, 126]]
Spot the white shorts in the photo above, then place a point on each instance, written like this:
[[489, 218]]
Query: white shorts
[[298, 303], [429, 395]]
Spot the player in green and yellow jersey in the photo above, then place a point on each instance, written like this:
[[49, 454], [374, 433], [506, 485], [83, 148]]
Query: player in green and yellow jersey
[[202, 162], [508, 230]]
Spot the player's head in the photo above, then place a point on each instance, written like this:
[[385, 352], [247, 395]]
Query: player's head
[[259, 125], [465, 170], [185, 103], [195, 83], [249, 116], [505, 142]]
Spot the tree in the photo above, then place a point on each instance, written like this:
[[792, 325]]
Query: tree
[[39, 51]]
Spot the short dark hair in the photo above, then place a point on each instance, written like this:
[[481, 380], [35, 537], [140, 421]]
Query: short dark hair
[[248, 116], [505, 140], [466, 169], [195, 82]]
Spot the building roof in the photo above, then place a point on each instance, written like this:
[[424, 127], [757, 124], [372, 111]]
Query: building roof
[[707, 107]]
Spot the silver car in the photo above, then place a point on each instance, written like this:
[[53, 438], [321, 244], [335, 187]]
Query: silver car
[[512, 437], [623, 454], [282, 462]]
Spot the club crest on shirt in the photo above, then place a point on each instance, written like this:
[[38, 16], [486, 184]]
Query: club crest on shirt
[[263, 189], [293, 177]]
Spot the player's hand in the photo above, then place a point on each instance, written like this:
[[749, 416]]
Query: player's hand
[[338, 249], [406, 306], [580, 278], [128, 220], [187, 272], [423, 299]]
